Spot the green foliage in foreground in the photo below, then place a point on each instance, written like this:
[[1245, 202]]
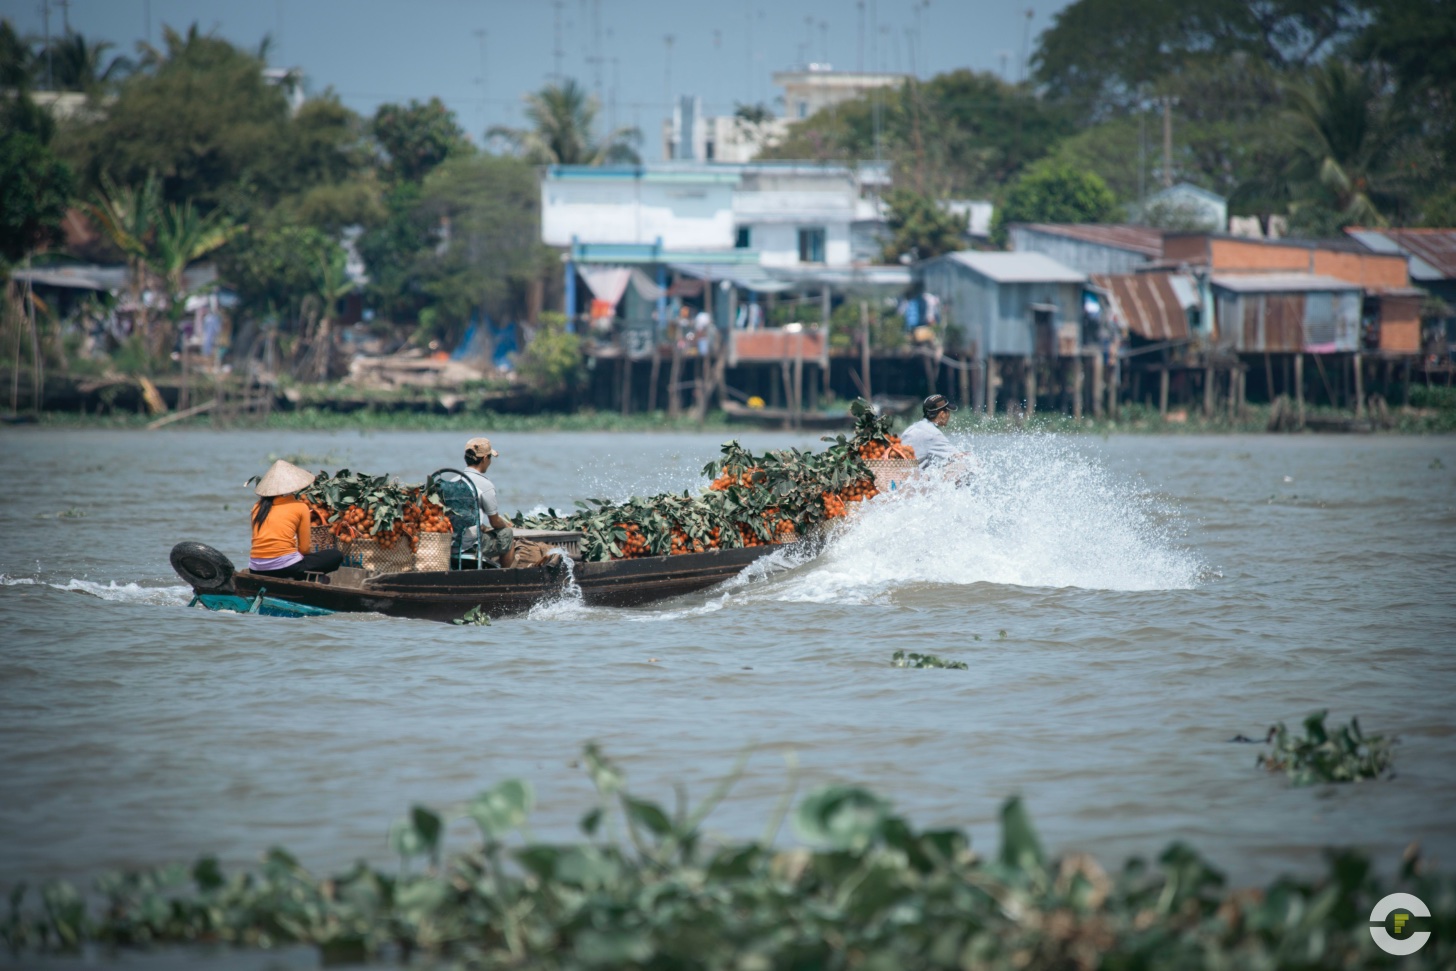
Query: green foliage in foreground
[[648, 889], [901, 659], [1344, 755]]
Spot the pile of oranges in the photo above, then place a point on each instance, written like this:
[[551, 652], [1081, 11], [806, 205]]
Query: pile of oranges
[[890, 448], [636, 543], [728, 478], [357, 522], [836, 503], [681, 543]]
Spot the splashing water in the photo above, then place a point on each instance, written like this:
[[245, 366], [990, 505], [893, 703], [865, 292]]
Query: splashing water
[[1036, 514], [178, 596], [567, 604]]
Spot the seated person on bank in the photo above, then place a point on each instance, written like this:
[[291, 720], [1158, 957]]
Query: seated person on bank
[[281, 546], [495, 538]]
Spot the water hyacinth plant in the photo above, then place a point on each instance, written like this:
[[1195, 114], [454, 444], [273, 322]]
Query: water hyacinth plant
[[648, 888], [1346, 755], [901, 659]]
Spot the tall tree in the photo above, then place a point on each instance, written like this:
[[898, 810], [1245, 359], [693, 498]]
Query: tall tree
[[77, 64], [35, 186], [919, 227], [200, 114], [1346, 142], [416, 138], [960, 133], [563, 122], [1051, 193], [486, 214], [1104, 56]]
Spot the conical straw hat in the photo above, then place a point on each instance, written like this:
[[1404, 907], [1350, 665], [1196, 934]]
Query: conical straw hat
[[283, 479]]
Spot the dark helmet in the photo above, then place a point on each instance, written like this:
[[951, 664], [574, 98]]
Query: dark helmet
[[935, 404]]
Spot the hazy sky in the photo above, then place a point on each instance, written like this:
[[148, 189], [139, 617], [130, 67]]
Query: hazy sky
[[481, 56]]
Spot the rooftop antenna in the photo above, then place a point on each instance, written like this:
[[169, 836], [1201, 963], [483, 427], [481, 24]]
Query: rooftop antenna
[[824, 39], [45, 12], [1005, 56], [910, 51], [859, 45], [874, 38], [557, 52], [1026, 43], [667, 40], [597, 39], [147, 21], [920, 43], [809, 39], [65, 6], [480, 35]]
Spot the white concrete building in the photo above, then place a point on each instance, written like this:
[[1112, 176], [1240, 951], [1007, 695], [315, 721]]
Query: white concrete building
[[690, 136], [819, 86], [776, 214]]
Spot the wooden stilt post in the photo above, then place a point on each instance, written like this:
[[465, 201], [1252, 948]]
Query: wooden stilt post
[[674, 375], [993, 384], [1299, 387], [1359, 386], [1114, 387], [626, 388], [1163, 391], [864, 346], [1030, 365], [1097, 381], [1268, 378], [964, 376], [1076, 365], [653, 376], [1208, 391]]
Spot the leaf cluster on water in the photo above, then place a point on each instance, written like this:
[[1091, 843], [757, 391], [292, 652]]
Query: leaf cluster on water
[[1344, 755], [904, 659], [474, 617], [647, 888]]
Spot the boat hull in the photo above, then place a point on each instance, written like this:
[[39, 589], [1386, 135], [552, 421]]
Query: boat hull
[[449, 595]]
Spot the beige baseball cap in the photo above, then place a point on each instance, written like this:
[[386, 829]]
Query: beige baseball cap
[[479, 448]]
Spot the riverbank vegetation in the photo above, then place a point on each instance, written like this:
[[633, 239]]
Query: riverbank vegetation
[[647, 886], [195, 153]]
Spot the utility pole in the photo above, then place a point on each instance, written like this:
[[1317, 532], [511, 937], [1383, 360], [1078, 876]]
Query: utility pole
[[556, 52], [45, 13], [1167, 142], [667, 40], [65, 6], [859, 49], [480, 34], [1026, 43]]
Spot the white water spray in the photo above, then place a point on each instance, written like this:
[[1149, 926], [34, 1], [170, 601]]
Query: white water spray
[[1037, 514]]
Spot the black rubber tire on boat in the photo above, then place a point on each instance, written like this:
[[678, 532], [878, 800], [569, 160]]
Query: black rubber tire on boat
[[207, 570]]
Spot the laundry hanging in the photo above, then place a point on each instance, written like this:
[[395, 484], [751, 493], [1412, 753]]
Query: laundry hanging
[[606, 282]]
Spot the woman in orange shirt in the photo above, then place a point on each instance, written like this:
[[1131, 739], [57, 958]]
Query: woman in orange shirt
[[280, 527]]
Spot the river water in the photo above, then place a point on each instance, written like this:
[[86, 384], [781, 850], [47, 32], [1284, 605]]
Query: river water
[[1126, 606]]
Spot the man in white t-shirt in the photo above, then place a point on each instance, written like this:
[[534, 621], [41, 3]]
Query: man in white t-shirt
[[499, 538], [931, 446]]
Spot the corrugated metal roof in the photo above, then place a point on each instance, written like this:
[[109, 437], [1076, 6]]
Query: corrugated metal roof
[[1149, 303], [1018, 267], [1280, 282], [1138, 239], [1432, 251]]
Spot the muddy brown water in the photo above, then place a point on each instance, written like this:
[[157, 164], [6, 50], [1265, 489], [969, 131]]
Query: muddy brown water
[[1125, 606]]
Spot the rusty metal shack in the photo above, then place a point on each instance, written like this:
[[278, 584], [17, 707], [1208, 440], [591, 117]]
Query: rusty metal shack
[[1014, 313]]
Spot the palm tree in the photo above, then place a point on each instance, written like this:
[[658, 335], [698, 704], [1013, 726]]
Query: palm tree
[[562, 118], [128, 216], [1345, 144], [184, 236], [333, 284], [76, 64]]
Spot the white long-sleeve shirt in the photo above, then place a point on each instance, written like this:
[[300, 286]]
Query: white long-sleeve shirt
[[929, 443]]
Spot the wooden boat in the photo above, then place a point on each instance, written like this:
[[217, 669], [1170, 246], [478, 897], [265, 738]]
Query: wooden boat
[[448, 595]]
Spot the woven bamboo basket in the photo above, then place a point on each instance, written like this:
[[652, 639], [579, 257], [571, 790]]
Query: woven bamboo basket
[[892, 474], [433, 552], [377, 558]]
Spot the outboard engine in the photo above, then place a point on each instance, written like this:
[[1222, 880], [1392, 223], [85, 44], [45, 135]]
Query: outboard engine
[[204, 568]]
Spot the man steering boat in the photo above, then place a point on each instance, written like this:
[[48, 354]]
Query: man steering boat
[[932, 449]]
